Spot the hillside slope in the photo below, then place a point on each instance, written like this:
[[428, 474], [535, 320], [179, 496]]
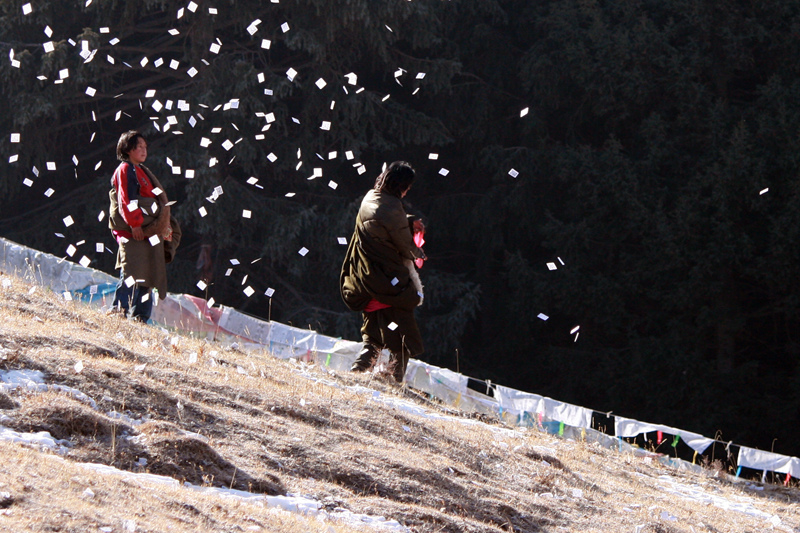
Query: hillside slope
[[147, 401]]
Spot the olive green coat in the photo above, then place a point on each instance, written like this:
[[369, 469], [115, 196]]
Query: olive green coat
[[142, 260]]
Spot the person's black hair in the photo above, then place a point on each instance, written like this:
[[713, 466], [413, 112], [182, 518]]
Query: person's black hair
[[127, 142], [396, 179]]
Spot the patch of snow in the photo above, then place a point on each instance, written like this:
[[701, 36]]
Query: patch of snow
[[33, 381], [41, 439], [696, 493]]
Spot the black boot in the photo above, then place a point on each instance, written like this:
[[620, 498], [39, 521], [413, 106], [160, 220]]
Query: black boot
[[398, 363], [367, 358]]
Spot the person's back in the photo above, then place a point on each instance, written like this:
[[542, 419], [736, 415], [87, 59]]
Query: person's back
[[384, 219]]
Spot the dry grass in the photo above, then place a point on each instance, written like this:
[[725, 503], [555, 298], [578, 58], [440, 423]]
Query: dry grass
[[248, 421]]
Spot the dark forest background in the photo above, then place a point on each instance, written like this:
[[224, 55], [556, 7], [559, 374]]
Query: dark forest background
[[649, 150]]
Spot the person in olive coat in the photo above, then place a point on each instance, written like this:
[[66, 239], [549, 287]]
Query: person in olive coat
[[379, 277]]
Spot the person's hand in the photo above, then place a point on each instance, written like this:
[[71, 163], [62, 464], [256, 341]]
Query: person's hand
[[138, 234], [418, 225]]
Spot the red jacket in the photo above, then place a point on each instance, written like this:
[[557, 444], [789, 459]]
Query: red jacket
[[131, 183]]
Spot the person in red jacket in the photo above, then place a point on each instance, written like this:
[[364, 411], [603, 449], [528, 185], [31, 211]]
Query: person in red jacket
[[138, 203]]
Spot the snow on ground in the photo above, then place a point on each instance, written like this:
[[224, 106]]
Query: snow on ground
[[695, 492], [33, 381]]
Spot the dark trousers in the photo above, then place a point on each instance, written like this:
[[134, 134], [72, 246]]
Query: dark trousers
[[129, 299], [392, 328]]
